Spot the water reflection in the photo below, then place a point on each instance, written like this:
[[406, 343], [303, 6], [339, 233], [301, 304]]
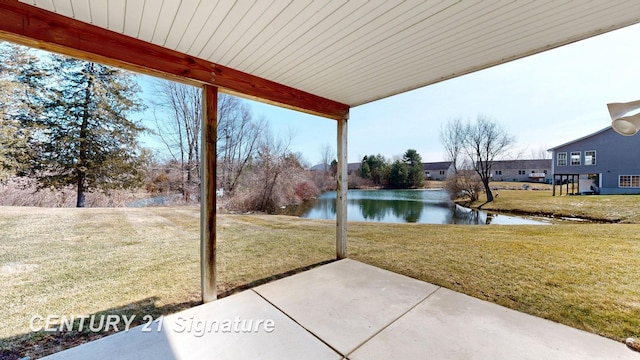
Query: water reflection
[[406, 206]]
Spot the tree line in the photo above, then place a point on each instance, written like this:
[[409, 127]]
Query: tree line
[[71, 123], [401, 174], [472, 147], [256, 170], [67, 123]]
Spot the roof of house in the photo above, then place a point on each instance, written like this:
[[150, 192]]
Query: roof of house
[[309, 55], [442, 165], [522, 164], [353, 166], [320, 167], [582, 138], [326, 167]]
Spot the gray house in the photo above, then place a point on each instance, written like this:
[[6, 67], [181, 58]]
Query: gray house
[[604, 162], [538, 170], [437, 170]]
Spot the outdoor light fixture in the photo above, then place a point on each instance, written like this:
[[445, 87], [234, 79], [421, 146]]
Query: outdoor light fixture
[[625, 125]]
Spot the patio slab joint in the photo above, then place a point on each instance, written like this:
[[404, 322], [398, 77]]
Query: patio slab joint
[[393, 321]]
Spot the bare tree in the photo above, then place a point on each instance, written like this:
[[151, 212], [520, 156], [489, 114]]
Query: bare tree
[[452, 137], [180, 131], [327, 156], [275, 178], [239, 136], [465, 183], [484, 142], [324, 178], [238, 133], [272, 162], [481, 142], [272, 173], [539, 153]]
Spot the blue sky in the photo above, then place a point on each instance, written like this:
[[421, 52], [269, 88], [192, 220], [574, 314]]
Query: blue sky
[[543, 100]]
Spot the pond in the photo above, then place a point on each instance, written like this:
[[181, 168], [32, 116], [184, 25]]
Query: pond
[[408, 206]]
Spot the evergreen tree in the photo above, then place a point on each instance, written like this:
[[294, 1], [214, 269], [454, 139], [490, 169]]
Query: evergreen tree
[[365, 171], [84, 137], [13, 149], [334, 167], [374, 167], [15, 97], [398, 175], [415, 175], [406, 173]]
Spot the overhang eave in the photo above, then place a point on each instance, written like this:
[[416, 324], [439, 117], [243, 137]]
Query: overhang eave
[[34, 27]]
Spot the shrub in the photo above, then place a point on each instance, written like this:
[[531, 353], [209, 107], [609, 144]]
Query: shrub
[[465, 183]]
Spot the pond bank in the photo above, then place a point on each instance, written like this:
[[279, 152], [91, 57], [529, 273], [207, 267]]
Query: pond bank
[[600, 208]]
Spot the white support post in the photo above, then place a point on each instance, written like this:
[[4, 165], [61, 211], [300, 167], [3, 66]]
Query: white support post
[[341, 191], [208, 193]]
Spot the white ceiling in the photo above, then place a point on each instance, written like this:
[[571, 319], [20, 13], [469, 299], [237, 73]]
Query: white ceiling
[[354, 51]]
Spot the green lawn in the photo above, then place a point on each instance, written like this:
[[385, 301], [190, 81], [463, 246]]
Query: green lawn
[[146, 260], [609, 208]]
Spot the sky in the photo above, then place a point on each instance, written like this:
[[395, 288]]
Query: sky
[[543, 100]]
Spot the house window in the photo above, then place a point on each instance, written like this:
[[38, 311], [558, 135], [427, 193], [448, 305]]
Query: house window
[[441, 172], [498, 172], [521, 172], [590, 157], [426, 173], [629, 181], [562, 159], [575, 158]]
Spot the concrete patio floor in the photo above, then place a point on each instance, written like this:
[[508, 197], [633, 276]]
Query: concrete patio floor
[[350, 310]]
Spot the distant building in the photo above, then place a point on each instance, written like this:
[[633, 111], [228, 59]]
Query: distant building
[[352, 168], [438, 170], [320, 167], [522, 170], [604, 162]]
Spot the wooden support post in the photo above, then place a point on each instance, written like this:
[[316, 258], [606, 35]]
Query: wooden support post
[[341, 191], [561, 183], [208, 193]]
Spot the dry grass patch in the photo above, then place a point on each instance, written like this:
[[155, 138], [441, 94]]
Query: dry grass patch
[[609, 208], [131, 261], [584, 275], [146, 261]]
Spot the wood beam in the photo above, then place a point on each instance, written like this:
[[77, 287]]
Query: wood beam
[[341, 191], [208, 271], [35, 27]]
